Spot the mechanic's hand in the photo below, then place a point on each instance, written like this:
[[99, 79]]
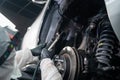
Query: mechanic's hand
[[46, 54], [37, 51]]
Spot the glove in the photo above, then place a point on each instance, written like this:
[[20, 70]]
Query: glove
[[37, 51], [46, 54]]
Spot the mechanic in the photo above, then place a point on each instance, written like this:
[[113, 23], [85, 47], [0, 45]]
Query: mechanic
[[48, 69], [9, 62], [7, 54]]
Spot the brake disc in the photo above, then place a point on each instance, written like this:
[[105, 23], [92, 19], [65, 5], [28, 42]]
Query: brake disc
[[68, 63]]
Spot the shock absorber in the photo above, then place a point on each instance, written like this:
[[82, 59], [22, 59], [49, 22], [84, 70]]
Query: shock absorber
[[105, 45]]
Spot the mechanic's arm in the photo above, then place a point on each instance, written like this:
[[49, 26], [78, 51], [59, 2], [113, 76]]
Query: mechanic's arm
[[25, 56], [48, 69]]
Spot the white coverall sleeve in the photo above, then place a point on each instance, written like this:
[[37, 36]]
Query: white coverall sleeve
[[9, 68], [49, 71], [23, 57]]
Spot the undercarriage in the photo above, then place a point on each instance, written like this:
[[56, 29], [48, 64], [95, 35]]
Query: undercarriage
[[81, 36]]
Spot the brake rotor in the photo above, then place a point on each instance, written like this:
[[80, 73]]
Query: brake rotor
[[68, 63]]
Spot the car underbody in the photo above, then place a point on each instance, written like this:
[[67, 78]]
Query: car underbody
[[81, 36]]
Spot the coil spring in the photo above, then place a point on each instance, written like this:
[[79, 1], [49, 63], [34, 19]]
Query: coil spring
[[105, 44]]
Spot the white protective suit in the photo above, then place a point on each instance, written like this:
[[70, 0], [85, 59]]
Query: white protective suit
[[48, 69], [18, 59], [24, 57], [8, 68]]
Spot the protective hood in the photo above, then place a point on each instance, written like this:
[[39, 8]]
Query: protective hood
[[8, 40], [4, 40]]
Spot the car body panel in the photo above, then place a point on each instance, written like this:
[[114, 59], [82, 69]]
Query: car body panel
[[31, 37], [113, 9]]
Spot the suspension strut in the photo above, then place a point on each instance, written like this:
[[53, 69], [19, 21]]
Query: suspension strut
[[106, 43]]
